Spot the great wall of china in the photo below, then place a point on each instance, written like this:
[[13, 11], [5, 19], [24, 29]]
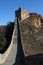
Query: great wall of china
[[22, 18]]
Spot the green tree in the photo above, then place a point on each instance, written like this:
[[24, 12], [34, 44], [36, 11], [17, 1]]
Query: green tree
[[2, 41]]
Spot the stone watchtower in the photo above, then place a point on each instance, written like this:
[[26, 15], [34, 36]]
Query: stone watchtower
[[21, 14]]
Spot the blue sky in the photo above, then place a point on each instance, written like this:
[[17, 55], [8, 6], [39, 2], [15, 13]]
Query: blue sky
[[8, 7]]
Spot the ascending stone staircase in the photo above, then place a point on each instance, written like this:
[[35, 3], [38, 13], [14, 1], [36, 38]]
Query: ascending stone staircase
[[11, 58]]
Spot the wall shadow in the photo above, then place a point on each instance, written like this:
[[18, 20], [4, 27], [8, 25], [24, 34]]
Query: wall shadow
[[20, 55], [34, 59]]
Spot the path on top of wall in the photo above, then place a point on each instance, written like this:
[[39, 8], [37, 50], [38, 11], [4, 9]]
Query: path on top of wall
[[11, 58]]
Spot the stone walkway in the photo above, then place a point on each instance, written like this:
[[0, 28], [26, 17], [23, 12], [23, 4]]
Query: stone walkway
[[16, 55], [11, 58]]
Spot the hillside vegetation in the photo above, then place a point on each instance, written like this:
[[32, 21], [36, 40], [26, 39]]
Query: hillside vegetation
[[5, 36]]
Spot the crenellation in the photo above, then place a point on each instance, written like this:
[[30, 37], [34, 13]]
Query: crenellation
[[21, 13]]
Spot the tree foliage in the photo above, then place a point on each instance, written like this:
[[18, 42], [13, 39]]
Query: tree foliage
[[6, 36], [9, 31], [2, 41]]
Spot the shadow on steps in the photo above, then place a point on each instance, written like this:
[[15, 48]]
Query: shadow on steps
[[20, 55]]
